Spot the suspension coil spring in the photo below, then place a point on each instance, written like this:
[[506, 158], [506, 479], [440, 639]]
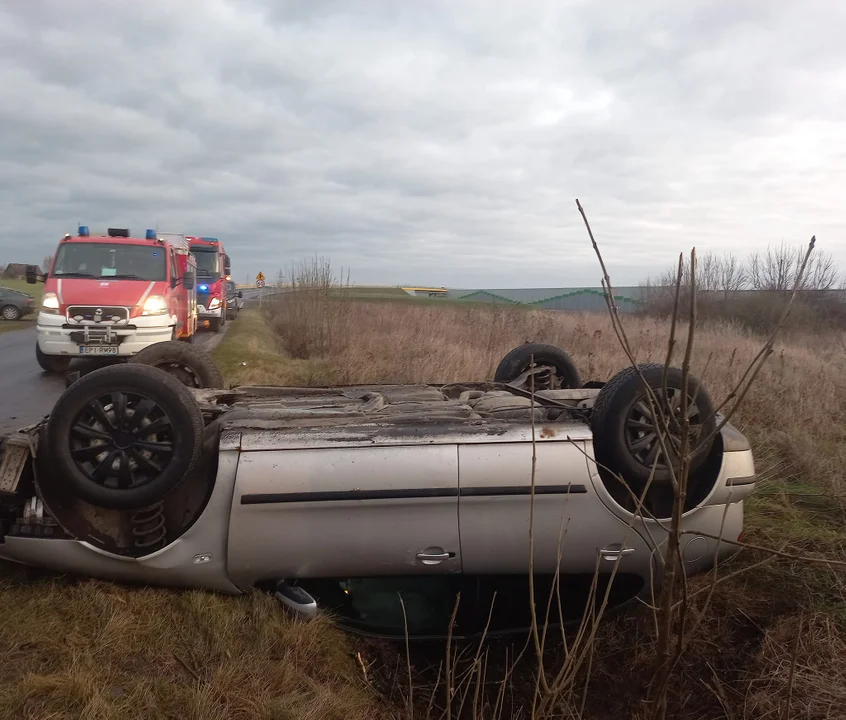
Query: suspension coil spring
[[543, 379], [148, 527]]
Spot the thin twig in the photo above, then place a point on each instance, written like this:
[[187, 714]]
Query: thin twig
[[448, 674], [407, 660], [794, 656]]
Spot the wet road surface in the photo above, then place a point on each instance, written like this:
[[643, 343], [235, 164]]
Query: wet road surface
[[27, 393]]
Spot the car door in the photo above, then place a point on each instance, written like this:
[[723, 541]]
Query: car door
[[345, 512], [569, 520]]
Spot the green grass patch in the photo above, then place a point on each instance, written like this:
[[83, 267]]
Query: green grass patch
[[375, 291], [10, 326], [249, 354], [36, 290]]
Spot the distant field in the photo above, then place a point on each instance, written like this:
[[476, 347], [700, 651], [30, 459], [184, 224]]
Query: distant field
[[23, 286], [376, 291]]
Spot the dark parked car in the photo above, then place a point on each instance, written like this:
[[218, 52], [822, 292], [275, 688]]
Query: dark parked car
[[233, 300], [15, 304]]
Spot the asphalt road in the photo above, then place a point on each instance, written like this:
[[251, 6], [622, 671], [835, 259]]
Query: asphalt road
[[27, 393]]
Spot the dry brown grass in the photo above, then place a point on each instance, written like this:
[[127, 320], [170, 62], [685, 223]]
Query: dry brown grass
[[795, 415], [796, 410], [100, 651]]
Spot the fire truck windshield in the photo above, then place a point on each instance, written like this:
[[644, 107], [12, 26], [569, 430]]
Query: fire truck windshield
[[207, 262], [110, 261]]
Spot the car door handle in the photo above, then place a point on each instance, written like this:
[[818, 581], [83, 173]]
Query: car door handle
[[614, 552], [433, 556]]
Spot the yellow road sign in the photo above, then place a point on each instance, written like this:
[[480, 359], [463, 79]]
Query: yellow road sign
[[260, 276]]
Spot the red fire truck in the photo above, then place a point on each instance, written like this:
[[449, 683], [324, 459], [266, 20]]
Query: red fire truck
[[212, 271], [113, 295]]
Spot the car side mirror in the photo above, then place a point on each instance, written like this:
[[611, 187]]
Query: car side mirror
[[240, 293], [32, 276], [188, 281]]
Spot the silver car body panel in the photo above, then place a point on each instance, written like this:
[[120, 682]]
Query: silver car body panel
[[388, 480], [334, 512], [568, 519], [195, 560]]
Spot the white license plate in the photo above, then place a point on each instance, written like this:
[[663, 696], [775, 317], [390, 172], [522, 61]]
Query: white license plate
[[98, 350]]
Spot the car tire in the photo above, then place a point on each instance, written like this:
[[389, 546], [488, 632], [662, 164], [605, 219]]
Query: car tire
[[187, 363], [621, 424], [10, 312], [214, 324], [93, 413], [51, 363], [519, 359]]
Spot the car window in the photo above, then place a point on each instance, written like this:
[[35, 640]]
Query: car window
[[501, 603], [174, 266], [207, 262], [107, 260]]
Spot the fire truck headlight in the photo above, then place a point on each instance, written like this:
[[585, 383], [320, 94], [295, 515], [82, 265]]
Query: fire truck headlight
[[50, 304], [155, 305], [214, 303]]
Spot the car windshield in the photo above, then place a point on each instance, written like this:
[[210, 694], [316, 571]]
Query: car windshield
[[117, 261], [230, 288], [207, 265]]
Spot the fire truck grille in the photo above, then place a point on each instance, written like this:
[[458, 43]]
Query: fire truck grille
[[82, 314]]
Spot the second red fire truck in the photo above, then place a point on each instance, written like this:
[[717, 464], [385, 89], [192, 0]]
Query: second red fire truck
[[212, 272]]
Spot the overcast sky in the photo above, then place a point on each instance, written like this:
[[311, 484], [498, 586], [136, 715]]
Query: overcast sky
[[430, 142]]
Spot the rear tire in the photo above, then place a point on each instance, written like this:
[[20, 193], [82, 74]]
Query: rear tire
[[10, 312], [51, 363], [100, 445], [622, 426], [188, 364], [519, 359]]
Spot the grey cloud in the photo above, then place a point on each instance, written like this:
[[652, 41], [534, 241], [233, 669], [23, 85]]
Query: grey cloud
[[434, 142]]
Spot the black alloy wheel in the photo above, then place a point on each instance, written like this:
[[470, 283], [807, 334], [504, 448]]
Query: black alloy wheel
[[125, 435]]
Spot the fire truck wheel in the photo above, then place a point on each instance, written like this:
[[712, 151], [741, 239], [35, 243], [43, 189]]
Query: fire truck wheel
[[214, 324], [124, 436], [51, 363], [188, 363]]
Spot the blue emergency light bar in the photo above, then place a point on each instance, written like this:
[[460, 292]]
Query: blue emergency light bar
[[83, 231], [203, 288], [151, 235]]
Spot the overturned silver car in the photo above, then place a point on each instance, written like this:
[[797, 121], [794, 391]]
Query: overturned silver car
[[135, 476]]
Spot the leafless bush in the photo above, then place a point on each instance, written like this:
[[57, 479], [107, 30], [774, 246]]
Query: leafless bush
[[778, 269], [311, 317], [754, 294], [672, 612]]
